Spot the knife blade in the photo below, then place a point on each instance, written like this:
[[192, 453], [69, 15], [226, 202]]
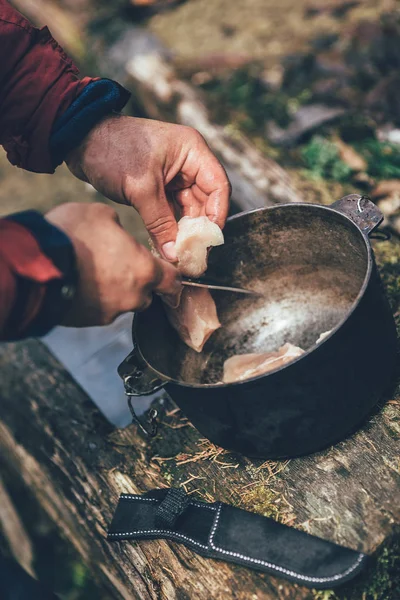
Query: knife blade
[[222, 288]]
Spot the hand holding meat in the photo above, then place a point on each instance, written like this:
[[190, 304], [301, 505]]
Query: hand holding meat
[[163, 170], [116, 274]]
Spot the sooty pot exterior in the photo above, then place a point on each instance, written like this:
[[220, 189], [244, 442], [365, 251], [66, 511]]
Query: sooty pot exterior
[[314, 402], [309, 404]]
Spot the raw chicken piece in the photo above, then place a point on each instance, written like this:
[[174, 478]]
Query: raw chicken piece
[[194, 238], [323, 336], [244, 366], [196, 318]]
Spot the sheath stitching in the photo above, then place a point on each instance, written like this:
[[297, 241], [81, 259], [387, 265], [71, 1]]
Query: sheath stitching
[[256, 561], [167, 532], [273, 566], [192, 502]]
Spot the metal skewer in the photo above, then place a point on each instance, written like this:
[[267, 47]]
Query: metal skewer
[[223, 288]]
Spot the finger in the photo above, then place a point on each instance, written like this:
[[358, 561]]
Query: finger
[[160, 277], [196, 203], [212, 180], [192, 201], [168, 280], [174, 205], [159, 220], [217, 206]]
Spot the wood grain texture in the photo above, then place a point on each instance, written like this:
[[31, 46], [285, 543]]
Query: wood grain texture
[[12, 529], [76, 465], [67, 454]]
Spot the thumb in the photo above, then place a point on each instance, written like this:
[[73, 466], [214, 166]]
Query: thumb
[[159, 220]]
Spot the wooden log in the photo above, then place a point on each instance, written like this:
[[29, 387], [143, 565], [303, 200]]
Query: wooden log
[[14, 532], [76, 465], [67, 455]]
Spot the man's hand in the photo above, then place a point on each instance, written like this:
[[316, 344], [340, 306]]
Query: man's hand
[[116, 274], [163, 170]]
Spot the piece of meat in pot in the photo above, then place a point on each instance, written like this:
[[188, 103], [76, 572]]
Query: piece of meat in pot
[[195, 237], [244, 366], [196, 318], [323, 336]]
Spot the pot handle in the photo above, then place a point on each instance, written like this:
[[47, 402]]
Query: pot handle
[[140, 380], [361, 210]]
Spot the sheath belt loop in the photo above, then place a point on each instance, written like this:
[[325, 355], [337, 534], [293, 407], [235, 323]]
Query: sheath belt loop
[[174, 504]]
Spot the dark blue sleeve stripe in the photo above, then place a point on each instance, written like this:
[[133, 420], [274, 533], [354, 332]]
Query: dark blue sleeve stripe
[[52, 241], [97, 100]]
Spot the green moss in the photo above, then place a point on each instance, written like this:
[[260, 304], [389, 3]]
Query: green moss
[[79, 575], [263, 495], [325, 595], [321, 157], [241, 98], [388, 259], [323, 161], [168, 477], [263, 500], [383, 158], [382, 580]]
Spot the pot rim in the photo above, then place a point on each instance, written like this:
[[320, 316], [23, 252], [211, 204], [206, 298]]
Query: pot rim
[[250, 380]]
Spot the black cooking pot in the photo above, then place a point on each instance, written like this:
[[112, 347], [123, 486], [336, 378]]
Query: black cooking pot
[[315, 267]]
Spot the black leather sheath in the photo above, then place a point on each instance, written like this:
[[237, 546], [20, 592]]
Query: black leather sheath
[[234, 535]]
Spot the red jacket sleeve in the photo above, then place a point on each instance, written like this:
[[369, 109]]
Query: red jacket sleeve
[[21, 259], [38, 82]]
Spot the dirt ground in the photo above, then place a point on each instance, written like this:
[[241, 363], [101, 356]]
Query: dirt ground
[[262, 29], [201, 34]]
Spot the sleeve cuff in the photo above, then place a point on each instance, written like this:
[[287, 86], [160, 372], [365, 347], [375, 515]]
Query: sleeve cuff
[[98, 99], [59, 291]]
